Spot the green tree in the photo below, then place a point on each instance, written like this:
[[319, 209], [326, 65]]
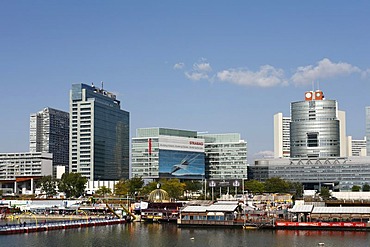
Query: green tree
[[366, 187], [356, 188], [276, 185], [73, 184], [129, 186], [48, 185], [174, 187], [254, 186], [104, 191], [296, 189], [192, 186], [121, 188], [149, 188], [135, 185], [325, 193]]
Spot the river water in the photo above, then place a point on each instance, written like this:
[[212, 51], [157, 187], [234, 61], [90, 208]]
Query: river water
[[169, 235]]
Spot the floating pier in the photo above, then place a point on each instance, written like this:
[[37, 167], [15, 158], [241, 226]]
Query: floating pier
[[56, 225]]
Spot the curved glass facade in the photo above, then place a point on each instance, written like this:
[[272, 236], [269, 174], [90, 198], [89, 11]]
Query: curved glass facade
[[314, 129]]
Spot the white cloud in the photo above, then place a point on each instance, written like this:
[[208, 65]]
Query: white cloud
[[365, 73], [324, 69], [264, 154], [179, 66], [267, 76], [204, 67], [196, 76], [200, 71]]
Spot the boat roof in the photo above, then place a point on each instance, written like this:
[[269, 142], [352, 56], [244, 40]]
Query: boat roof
[[329, 210], [341, 210], [211, 208], [302, 209]]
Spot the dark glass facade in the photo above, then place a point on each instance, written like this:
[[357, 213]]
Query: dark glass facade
[[99, 134]]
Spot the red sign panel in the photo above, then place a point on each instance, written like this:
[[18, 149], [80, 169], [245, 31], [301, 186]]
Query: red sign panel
[[321, 224]]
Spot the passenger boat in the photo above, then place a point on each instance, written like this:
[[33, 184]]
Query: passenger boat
[[327, 218]]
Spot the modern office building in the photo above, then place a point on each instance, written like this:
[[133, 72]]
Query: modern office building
[[367, 109], [167, 153], [19, 170], [281, 136], [226, 156], [321, 154], [339, 173], [49, 132], [356, 147], [314, 127], [99, 134]]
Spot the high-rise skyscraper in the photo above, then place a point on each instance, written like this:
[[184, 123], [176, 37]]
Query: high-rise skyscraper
[[281, 136], [49, 132], [314, 127], [99, 134], [367, 109]]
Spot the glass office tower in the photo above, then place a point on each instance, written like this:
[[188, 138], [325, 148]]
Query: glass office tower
[[99, 134]]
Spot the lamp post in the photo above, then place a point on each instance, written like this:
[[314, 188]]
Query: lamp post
[[243, 188], [236, 185], [212, 184]]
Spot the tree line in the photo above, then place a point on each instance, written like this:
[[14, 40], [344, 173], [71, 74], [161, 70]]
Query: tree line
[[73, 185], [275, 185]]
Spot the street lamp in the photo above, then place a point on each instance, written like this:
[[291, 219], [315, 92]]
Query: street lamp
[[212, 184], [236, 185]]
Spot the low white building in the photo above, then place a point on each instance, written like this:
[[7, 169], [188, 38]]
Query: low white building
[[19, 170]]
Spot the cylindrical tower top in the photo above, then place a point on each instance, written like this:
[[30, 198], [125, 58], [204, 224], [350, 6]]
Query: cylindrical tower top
[[314, 127], [314, 95]]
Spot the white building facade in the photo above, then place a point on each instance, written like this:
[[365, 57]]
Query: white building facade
[[281, 136], [22, 167], [226, 156], [356, 147]]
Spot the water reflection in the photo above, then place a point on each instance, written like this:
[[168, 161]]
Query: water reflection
[[169, 235]]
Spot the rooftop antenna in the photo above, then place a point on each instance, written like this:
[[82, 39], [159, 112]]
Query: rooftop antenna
[[102, 85], [313, 86]]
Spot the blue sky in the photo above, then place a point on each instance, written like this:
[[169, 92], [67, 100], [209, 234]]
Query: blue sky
[[216, 66]]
